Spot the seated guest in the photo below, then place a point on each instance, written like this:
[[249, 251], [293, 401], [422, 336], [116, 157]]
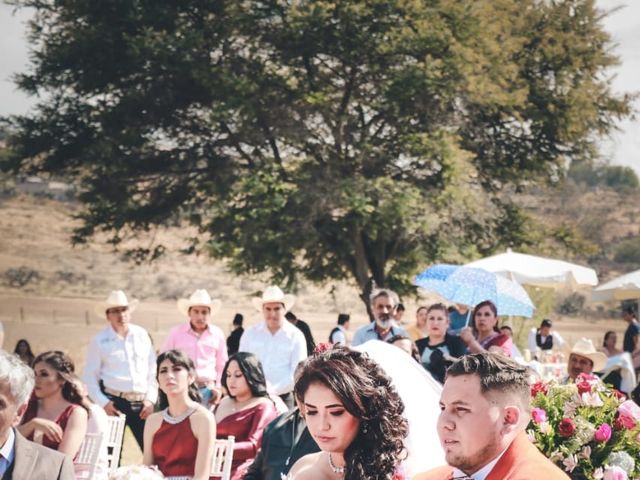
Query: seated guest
[[98, 423], [180, 438], [609, 344], [544, 338], [584, 358], [284, 441], [23, 351], [405, 344], [339, 333], [515, 351], [485, 410], [246, 411], [419, 329], [233, 340], [354, 414], [439, 348], [484, 335], [19, 458], [55, 416]]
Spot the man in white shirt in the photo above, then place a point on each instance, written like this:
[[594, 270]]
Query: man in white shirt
[[279, 345], [120, 371], [484, 412], [339, 333], [544, 338]]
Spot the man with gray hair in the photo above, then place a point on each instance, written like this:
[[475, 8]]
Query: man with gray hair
[[19, 458], [383, 305]]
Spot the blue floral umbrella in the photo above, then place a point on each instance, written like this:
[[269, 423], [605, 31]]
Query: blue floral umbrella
[[470, 286]]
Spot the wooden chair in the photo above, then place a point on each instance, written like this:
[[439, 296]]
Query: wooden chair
[[222, 458], [88, 454], [115, 434]]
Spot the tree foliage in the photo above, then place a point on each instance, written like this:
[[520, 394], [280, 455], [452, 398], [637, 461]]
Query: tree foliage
[[354, 139]]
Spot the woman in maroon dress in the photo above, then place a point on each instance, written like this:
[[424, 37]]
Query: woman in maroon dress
[[179, 439], [246, 411], [484, 334], [55, 416]]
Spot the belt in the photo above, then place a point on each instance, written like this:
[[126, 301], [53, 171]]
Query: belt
[[128, 396]]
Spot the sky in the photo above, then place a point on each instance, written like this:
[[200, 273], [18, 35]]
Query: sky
[[622, 148]]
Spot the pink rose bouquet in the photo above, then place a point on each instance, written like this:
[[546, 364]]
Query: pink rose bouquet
[[587, 429]]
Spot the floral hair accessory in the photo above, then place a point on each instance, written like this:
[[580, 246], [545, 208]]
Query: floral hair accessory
[[322, 347]]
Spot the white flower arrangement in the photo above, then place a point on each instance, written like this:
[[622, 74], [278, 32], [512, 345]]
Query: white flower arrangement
[[137, 472]]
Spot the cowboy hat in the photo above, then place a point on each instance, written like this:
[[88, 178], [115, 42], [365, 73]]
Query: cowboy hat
[[584, 347], [116, 298], [273, 294], [199, 298]]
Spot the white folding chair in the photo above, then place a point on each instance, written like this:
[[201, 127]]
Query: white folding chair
[[87, 457], [222, 458], [114, 441]]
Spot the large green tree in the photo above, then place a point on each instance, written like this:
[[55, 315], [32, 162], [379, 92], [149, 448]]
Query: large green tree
[[355, 139]]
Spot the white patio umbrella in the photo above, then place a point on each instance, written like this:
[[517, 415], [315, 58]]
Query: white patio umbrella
[[626, 287], [538, 271]]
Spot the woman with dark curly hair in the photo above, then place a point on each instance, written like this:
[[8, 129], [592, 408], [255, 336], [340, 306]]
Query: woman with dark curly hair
[[56, 416], [246, 411], [354, 414]]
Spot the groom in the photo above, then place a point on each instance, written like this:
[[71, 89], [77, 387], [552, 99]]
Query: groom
[[485, 410]]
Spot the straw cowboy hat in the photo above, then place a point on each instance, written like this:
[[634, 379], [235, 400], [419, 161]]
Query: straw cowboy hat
[[116, 298], [584, 347], [273, 294], [199, 298]]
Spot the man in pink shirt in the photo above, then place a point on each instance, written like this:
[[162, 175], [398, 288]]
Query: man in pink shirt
[[203, 342]]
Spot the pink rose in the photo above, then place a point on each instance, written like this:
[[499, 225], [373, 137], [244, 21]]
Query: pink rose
[[615, 473], [538, 415], [583, 387], [629, 414], [603, 433]]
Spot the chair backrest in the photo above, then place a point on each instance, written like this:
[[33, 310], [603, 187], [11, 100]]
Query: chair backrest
[[115, 435], [222, 458], [87, 458]]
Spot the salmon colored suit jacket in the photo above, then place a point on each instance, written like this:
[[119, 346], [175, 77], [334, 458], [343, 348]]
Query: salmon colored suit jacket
[[521, 461]]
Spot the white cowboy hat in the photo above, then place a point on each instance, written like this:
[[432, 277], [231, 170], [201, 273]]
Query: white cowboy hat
[[584, 347], [273, 294], [116, 298], [199, 298]]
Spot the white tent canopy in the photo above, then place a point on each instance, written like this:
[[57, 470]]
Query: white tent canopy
[[538, 271], [626, 287]]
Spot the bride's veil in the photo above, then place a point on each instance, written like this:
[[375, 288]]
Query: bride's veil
[[421, 395]]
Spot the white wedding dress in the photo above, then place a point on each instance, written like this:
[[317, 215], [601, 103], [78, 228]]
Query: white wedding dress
[[421, 396]]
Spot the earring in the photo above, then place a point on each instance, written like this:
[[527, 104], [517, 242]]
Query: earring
[[364, 428]]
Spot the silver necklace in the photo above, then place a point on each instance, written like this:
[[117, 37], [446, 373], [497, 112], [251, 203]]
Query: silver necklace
[[336, 470], [167, 417]]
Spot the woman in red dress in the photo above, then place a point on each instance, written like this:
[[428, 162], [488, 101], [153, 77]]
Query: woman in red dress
[[246, 411], [484, 334], [179, 439], [55, 416]]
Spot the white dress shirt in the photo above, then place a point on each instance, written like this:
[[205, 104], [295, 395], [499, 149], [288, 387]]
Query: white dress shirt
[[279, 353], [481, 474], [558, 341], [339, 336], [125, 364]]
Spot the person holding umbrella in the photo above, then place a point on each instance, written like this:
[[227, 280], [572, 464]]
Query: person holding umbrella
[[484, 334]]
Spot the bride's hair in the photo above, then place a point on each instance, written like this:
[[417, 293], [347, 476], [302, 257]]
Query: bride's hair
[[367, 394]]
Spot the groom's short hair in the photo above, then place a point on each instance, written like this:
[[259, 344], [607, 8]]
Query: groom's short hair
[[498, 374]]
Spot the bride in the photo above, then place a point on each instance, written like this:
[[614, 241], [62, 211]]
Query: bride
[[354, 414]]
